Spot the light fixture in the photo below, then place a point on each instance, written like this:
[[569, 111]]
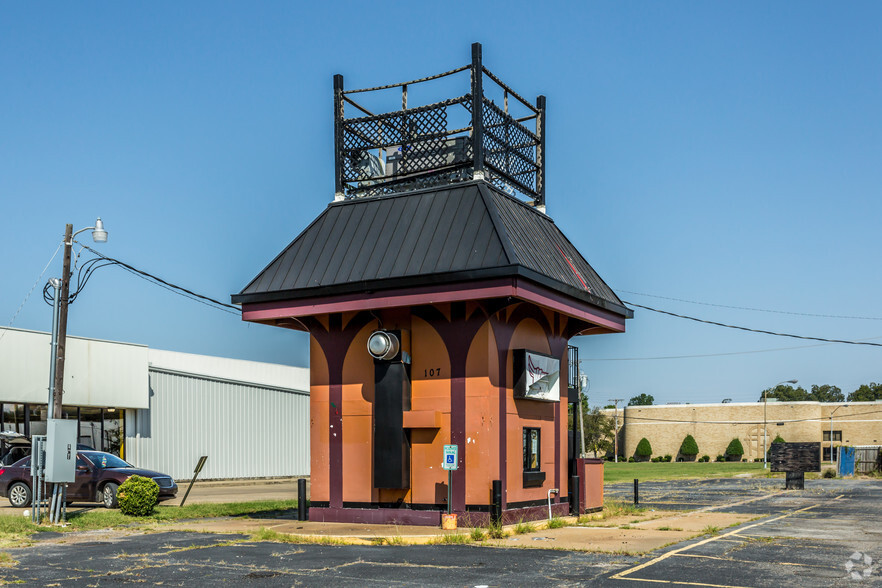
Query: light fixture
[[99, 235], [383, 345]]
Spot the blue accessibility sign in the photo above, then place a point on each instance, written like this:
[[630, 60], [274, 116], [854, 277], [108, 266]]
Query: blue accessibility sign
[[451, 454]]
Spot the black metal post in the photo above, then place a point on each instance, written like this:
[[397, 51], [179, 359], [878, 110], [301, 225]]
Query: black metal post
[[575, 494], [301, 499], [540, 152], [477, 109], [496, 503], [636, 493], [338, 135]]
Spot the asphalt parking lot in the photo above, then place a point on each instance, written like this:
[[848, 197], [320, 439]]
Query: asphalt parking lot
[[826, 535]]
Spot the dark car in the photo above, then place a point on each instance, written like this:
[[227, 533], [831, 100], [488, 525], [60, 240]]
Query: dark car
[[98, 476]]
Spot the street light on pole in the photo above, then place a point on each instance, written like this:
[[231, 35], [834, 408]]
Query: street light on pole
[[99, 235], [831, 429], [765, 420]]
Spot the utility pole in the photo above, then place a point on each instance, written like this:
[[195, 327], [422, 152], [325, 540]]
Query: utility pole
[[62, 323], [616, 435]]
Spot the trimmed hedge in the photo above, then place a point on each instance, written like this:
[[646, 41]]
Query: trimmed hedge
[[735, 447], [689, 446], [137, 496], [644, 449]]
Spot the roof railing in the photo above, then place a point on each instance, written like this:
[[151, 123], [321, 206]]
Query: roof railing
[[452, 140]]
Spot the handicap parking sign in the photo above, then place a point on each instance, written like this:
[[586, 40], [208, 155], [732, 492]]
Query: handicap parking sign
[[450, 457]]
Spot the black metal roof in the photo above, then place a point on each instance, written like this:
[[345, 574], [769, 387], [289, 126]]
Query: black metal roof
[[461, 232]]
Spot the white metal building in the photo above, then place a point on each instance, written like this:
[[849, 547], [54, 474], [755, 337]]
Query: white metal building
[[162, 409]]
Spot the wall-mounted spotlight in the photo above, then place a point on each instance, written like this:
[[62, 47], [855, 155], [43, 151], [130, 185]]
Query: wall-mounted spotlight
[[383, 345]]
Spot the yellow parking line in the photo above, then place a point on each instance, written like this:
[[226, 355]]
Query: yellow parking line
[[681, 582], [664, 556], [777, 563]]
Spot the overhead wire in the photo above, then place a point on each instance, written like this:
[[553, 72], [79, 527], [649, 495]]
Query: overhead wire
[[751, 330], [754, 309], [94, 264], [700, 422], [31, 291]]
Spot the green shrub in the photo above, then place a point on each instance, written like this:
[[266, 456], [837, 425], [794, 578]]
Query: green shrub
[[705, 458], [631, 459], [720, 458], [644, 449], [667, 457], [735, 448], [779, 439], [689, 446], [829, 473], [137, 496]]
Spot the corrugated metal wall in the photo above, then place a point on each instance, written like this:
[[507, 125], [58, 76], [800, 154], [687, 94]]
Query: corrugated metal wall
[[246, 430]]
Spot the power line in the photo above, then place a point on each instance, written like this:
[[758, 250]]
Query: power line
[[722, 354], [763, 331], [180, 290], [835, 316], [637, 418], [31, 291]]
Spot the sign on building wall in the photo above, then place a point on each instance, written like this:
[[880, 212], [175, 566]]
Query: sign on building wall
[[537, 376]]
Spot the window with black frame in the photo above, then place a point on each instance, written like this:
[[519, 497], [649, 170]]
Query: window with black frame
[[532, 457], [531, 449]]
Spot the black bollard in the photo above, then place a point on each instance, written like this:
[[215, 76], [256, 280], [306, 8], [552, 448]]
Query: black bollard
[[301, 499], [636, 493], [496, 503], [575, 497]]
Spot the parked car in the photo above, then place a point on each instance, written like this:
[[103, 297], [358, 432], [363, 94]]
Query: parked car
[[14, 446], [98, 476]]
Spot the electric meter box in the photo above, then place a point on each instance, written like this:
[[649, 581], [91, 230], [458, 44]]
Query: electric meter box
[[61, 451]]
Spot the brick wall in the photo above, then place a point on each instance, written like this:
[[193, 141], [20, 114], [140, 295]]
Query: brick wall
[[715, 425]]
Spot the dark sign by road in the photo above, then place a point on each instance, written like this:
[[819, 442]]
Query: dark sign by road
[[795, 457]]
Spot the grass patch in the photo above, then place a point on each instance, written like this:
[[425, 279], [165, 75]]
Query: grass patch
[[711, 530], [451, 539], [666, 528], [495, 531], [397, 540], [523, 527], [478, 534], [614, 508], [645, 471], [15, 531], [102, 518], [264, 534], [557, 523], [7, 561]]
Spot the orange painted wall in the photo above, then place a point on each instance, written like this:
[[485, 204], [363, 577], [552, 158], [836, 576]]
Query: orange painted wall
[[528, 413], [482, 420], [318, 422], [431, 391]]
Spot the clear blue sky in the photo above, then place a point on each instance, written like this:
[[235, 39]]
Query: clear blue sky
[[726, 153]]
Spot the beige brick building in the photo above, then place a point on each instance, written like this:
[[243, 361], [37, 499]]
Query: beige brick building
[[715, 425]]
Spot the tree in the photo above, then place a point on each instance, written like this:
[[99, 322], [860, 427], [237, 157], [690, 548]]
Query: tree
[[826, 393], [641, 400], [735, 448], [866, 393], [786, 393], [644, 449], [599, 431], [689, 446], [778, 439]]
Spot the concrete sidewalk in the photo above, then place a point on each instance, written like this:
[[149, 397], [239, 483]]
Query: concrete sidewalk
[[633, 533]]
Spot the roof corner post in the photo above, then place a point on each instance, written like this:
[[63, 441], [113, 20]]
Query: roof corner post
[[477, 113], [540, 154], [338, 138]]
